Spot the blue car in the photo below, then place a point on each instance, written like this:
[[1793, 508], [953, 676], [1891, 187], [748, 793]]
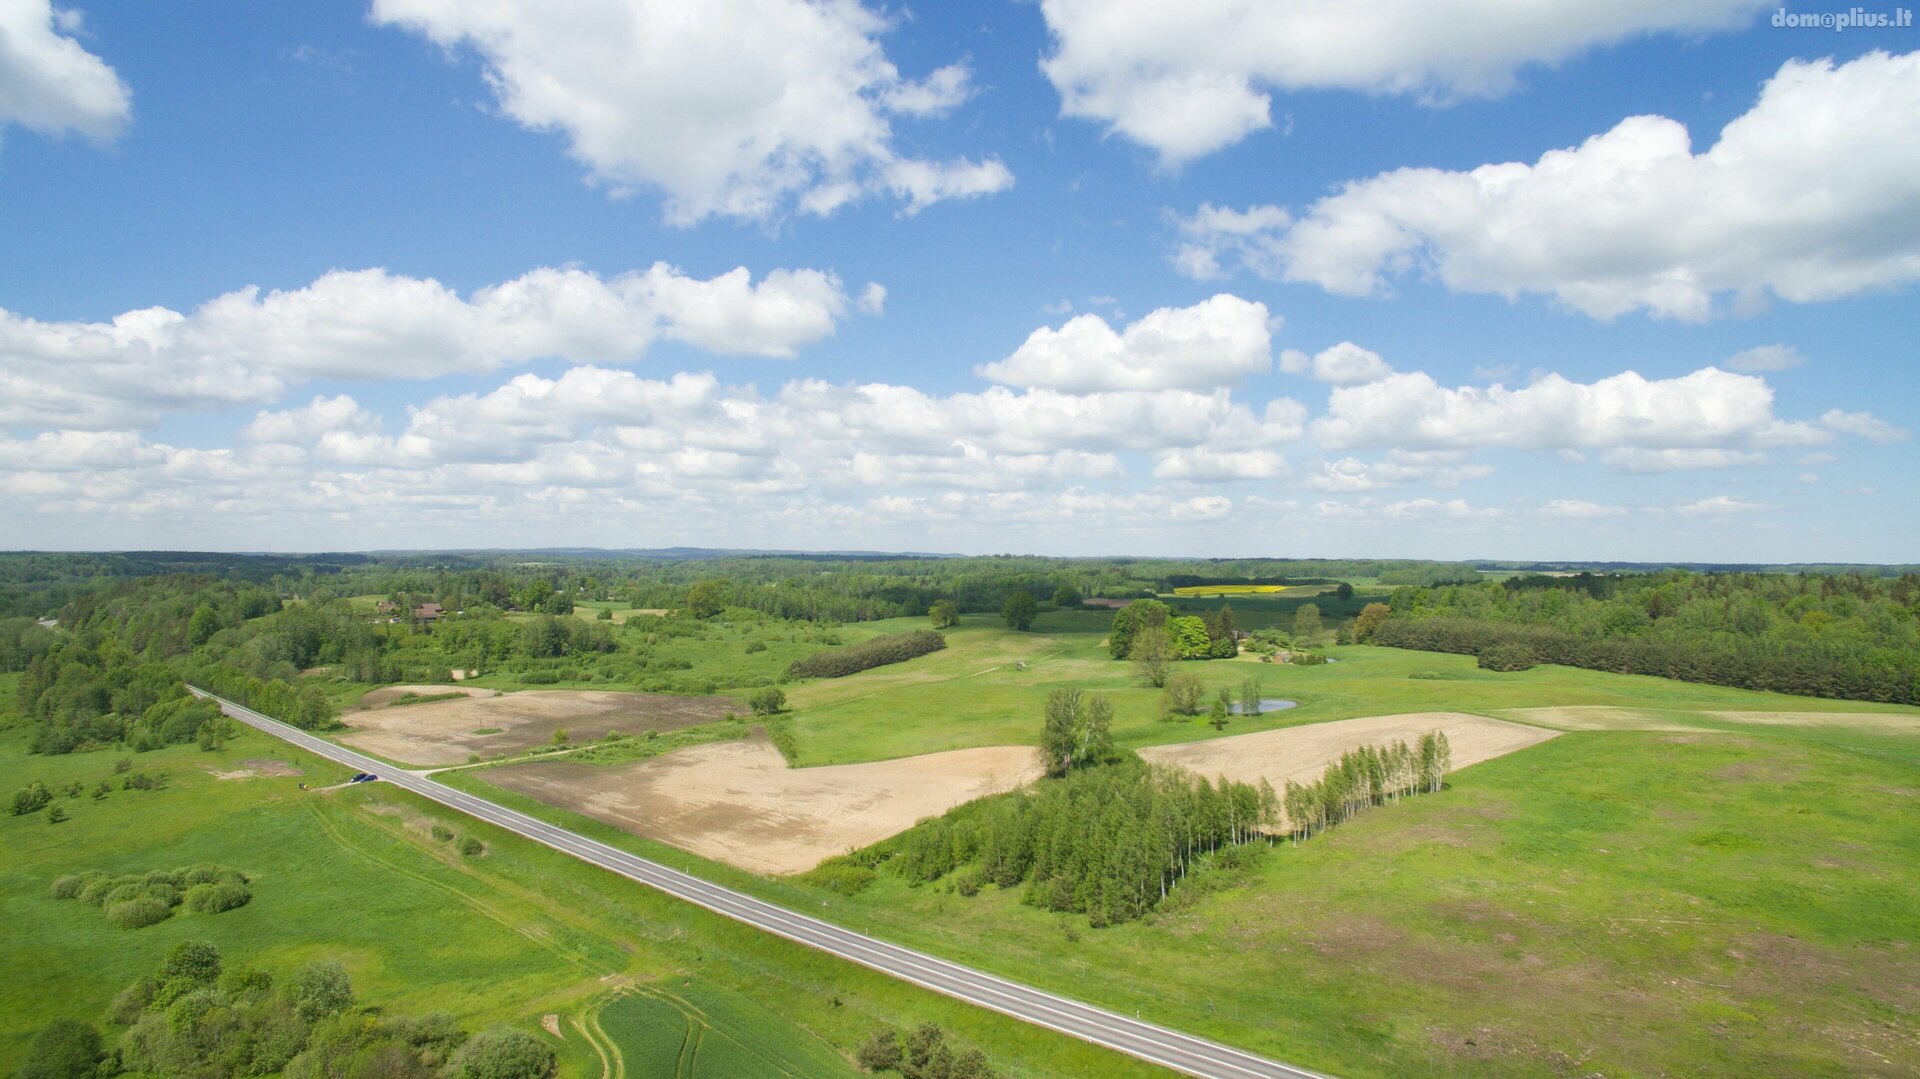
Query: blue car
[[363, 777]]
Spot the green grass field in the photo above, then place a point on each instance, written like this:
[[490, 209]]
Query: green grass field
[[975, 692], [355, 875], [718, 1034]]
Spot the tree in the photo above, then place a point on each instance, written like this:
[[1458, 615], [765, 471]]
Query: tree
[[943, 613], [30, 798], [203, 625], [320, 989], [605, 615], [503, 1053], [1250, 694], [1217, 715], [1130, 620], [1183, 694], [1066, 596], [1152, 654], [64, 1049], [1058, 731], [1306, 623], [767, 701], [194, 962], [56, 813], [1369, 620], [881, 1051], [1096, 730], [707, 597], [1020, 610], [1345, 591]]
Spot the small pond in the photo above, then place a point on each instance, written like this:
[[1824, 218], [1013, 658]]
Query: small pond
[[1267, 704]]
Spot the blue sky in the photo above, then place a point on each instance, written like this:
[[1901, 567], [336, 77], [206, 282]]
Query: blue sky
[[1628, 280]]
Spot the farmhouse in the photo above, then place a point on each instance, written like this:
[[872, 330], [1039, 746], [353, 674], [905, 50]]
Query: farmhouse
[[428, 612]]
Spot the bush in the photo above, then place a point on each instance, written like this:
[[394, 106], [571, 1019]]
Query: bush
[[891, 648], [94, 891], [64, 1049], [767, 702], [442, 833], [841, 874], [68, 887], [217, 898], [31, 798], [1506, 657], [471, 847], [138, 913], [502, 1053], [756, 646]]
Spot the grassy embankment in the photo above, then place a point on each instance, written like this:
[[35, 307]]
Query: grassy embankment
[[355, 875]]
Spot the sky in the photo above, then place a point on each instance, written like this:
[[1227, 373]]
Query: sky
[[1579, 279]]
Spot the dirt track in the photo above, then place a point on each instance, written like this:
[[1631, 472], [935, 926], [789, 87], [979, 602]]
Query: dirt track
[[443, 732], [1303, 753], [739, 803]]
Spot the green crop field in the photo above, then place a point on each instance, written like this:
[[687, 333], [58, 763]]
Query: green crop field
[[356, 876], [718, 1034]]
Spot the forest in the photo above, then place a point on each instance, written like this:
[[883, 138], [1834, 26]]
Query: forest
[[1854, 636]]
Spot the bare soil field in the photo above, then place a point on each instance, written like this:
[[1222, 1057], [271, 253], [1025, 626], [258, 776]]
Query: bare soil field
[[380, 698], [1303, 753], [444, 732], [1888, 721], [738, 802]]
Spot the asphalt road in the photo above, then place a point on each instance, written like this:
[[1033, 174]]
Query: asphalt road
[[1155, 1044]]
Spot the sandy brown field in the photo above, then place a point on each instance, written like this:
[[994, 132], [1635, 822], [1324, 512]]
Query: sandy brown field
[[443, 732], [1897, 721], [739, 803], [1302, 753]]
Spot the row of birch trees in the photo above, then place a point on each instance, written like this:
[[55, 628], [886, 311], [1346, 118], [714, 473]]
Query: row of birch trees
[[1363, 778]]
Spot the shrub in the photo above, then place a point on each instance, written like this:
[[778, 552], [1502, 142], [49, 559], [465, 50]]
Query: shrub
[[442, 833], [471, 847], [767, 702], [64, 1049], [841, 874], [320, 989], [94, 891], [1506, 657], [68, 886], [56, 813], [138, 913], [31, 798], [502, 1053], [756, 646], [890, 648], [216, 898]]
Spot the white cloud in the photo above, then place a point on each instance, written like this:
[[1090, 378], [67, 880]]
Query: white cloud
[[1707, 413], [1717, 506], [48, 82], [1350, 474], [1217, 342], [873, 299], [311, 422], [1202, 508], [1808, 197], [741, 108], [1345, 364], [1201, 464], [1188, 79], [1579, 509], [1766, 358], [1863, 425], [248, 347], [1633, 459]]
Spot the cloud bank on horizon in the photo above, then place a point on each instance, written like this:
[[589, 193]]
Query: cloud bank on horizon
[[788, 294]]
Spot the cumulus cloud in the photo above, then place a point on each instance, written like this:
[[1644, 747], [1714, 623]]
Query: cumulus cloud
[[1439, 468], [1579, 509], [1188, 79], [1808, 197], [1863, 425], [1708, 418], [1217, 342], [48, 83], [1717, 506], [740, 108], [309, 423], [248, 346], [1345, 364], [1765, 358]]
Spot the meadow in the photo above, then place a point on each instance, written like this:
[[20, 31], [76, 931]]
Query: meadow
[[357, 875]]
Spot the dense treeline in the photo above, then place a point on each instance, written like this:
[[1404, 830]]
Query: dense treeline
[[1106, 842], [877, 652], [925, 1053], [1847, 636], [194, 1018], [1363, 778]]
